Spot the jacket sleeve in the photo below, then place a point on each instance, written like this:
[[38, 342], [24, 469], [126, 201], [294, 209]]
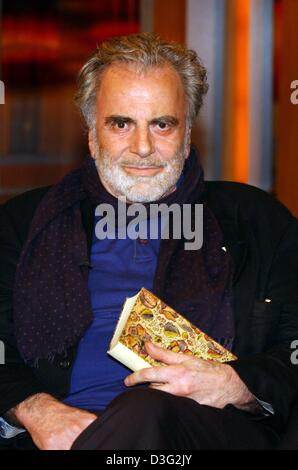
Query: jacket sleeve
[[272, 376], [17, 381]]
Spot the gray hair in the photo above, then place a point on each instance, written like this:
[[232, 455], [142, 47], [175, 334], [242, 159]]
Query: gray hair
[[145, 50]]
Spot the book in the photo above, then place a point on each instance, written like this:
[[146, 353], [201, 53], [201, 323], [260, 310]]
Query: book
[[144, 317]]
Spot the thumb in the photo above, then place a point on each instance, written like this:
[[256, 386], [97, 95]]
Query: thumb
[[163, 355]]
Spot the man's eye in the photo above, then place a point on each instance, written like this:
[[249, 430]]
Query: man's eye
[[120, 124], [162, 125]]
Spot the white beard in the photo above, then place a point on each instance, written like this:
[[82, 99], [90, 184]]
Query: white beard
[[140, 188]]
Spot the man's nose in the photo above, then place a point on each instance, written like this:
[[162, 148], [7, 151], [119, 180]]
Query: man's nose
[[141, 142]]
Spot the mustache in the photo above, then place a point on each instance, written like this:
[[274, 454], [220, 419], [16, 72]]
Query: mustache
[[142, 164]]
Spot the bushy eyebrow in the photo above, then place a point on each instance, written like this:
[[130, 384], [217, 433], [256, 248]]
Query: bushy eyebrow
[[116, 117], [171, 120]]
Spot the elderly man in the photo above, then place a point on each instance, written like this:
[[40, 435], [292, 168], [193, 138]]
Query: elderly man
[[62, 288]]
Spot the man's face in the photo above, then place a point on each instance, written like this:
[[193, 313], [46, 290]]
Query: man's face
[[140, 141]]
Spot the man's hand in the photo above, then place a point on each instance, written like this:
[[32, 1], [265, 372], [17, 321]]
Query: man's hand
[[208, 383], [51, 424]]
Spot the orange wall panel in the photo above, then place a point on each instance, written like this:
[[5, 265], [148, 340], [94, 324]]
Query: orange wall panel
[[169, 17], [287, 128], [236, 100]]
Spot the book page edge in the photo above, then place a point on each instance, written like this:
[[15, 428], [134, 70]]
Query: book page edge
[[126, 310], [128, 357]]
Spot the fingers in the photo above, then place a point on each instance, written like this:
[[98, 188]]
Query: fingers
[[164, 387], [175, 388], [178, 368], [163, 355], [151, 374]]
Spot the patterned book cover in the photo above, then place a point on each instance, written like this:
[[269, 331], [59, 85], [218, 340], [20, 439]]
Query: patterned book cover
[[150, 319]]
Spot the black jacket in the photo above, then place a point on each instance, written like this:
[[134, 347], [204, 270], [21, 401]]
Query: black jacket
[[262, 237]]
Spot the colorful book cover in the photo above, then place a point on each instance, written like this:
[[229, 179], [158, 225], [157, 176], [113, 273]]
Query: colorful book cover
[[145, 317]]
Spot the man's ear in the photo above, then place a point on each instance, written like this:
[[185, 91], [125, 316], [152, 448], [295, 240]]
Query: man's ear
[[92, 143], [188, 141]]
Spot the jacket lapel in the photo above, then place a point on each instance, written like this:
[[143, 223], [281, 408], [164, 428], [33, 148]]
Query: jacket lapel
[[239, 241]]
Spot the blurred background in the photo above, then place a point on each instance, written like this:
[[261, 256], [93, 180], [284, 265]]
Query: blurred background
[[247, 130]]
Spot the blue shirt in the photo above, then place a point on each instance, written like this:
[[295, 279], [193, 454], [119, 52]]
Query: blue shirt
[[119, 269]]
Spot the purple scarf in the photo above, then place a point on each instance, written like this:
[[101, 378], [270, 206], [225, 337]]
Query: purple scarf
[[52, 306]]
